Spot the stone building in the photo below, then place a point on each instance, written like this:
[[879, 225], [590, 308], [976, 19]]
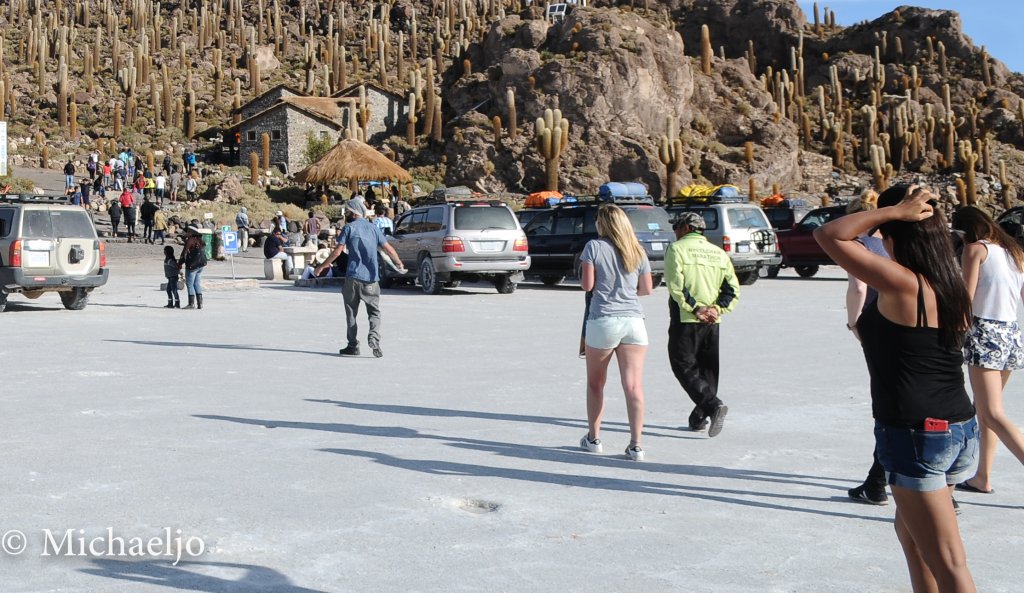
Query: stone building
[[268, 99], [387, 110], [289, 123]]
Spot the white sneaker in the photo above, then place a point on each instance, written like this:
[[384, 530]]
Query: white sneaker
[[594, 446], [635, 453]]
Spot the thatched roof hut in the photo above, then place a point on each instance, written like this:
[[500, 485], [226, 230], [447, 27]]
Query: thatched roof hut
[[352, 160]]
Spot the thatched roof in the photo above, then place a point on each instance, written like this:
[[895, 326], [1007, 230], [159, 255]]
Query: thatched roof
[[352, 160]]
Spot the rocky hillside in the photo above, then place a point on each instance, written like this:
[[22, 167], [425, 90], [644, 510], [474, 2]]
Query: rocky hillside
[[667, 93]]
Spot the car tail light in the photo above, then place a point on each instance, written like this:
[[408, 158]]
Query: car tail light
[[521, 245], [15, 255], [452, 245], [103, 254], [726, 243]]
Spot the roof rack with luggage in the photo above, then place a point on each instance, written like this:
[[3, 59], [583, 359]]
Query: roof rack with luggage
[[36, 198]]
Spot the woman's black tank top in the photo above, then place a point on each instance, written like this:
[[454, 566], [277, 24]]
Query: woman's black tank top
[[913, 376]]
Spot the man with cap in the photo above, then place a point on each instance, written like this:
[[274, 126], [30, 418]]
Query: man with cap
[[702, 286], [361, 240]]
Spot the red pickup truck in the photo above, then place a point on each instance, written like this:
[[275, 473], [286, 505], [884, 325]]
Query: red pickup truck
[[799, 249]]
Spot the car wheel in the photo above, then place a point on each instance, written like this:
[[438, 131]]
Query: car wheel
[[428, 277], [453, 284], [806, 271], [656, 280], [75, 299], [772, 271], [552, 280], [504, 284], [747, 278]]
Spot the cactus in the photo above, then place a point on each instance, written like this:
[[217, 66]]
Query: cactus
[[411, 120], [969, 159], [748, 153], [705, 50], [496, 126], [835, 140], [510, 101], [44, 158], [117, 121], [467, 67], [817, 21], [1008, 190], [150, 160], [986, 67], [73, 123], [265, 139], [752, 189], [961, 192], [254, 168], [671, 155], [942, 60], [878, 168], [552, 140], [435, 131]]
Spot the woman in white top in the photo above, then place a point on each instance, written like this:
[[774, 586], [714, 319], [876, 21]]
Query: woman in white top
[[993, 268], [615, 269]]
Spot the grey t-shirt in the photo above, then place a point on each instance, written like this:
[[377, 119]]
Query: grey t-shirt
[[614, 289]]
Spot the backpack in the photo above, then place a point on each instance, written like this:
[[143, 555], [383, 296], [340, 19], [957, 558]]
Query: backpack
[[196, 257]]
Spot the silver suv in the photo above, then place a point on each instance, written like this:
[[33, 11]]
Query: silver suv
[[448, 242], [741, 229], [47, 245]]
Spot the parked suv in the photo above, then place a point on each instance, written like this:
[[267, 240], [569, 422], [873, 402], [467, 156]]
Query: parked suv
[[799, 249], [557, 235], [47, 245], [445, 243], [741, 229]]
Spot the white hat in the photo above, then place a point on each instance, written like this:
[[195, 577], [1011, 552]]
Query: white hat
[[321, 256], [279, 213]]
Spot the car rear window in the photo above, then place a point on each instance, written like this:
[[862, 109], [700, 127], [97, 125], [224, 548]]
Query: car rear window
[[71, 223], [649, 219], [478, 218], [6, 221], [747, 218]]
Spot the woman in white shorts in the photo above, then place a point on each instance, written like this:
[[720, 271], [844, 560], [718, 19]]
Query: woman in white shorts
[[993, 268], [615, 269]]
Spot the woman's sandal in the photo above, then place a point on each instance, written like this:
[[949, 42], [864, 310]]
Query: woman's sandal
[[966, 487]]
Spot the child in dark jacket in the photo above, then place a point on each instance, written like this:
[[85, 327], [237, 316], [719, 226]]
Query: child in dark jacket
[[171, 270]]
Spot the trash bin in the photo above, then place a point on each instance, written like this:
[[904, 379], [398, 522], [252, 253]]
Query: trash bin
[[207, 236]]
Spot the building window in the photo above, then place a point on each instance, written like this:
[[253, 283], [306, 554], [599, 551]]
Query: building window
[[250, 136], [275, 134]]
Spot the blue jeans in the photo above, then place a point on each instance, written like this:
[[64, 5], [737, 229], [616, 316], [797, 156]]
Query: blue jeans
[[69, 181], [924, 461], [192, 281]]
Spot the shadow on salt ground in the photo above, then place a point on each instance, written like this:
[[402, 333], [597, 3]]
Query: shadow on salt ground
[[579, 424], [222, 347], [254, 579], [567, 456]]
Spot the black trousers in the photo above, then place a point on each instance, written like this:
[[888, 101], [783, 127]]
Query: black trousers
[[693, 356], [876, 476]]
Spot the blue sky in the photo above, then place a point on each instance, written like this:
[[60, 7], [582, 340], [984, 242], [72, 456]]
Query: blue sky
[[995, 24]]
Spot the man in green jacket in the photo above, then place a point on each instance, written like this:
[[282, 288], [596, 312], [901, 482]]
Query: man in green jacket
[[702, 285]]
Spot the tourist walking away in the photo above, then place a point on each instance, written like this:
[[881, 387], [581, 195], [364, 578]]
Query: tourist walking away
[[361, 240], [86, 189], [115, 217], [858, 296], [130, 213], [159, 226], [69, 175], [702, 286], [171, 270], [926, 436], [161, 185], [148, 213], [993, 269], [311, 228], [175, 182], [190, 188], [615, 270], [242, 224], [193, 257], [273, 248]]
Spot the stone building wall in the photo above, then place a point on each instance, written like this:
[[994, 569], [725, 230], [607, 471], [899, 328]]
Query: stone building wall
[[300, 125], [274, 123], [266, 101]]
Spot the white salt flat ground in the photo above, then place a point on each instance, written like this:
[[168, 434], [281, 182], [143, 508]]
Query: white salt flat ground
[[450, 464]]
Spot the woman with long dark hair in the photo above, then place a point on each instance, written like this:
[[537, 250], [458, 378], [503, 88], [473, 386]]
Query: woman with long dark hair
[[926, 436], [993, 268], [615, 269]]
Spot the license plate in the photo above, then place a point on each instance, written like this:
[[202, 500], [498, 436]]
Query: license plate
[[490, 246], [37, 259], [743, 248], [657, 247]]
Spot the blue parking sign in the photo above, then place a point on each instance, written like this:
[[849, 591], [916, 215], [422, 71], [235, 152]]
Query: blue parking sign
[[230, 241]]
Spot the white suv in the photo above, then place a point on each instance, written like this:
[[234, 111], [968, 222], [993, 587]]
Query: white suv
[[47, 245], [447, 242]]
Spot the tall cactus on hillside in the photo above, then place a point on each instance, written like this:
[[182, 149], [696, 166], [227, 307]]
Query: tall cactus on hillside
[[1008, 191], [706, 52], [969, 158], [671, 155], [552, 139]]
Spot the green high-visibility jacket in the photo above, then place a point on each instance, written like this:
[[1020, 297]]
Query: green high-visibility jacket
[[699, 274]]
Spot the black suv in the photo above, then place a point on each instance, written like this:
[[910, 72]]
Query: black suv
[[556, 236]]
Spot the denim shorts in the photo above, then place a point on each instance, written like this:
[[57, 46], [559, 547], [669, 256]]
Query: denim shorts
[[606, 333], [924, 461]]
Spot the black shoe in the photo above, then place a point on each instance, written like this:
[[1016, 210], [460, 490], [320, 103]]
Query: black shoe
[[697, 420], [717, 420], [377, 352], [177, 304], [349, 351], [169, 305], [862, 494], [199, 301]]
